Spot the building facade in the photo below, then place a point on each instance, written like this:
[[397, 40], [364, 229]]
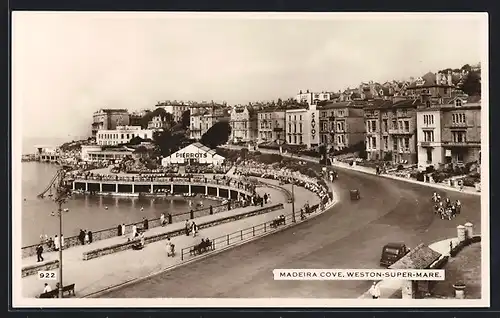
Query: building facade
[[302, 127], [203, 120], [312, 98], [449, 132], [342, 124], [159, 123], [109, 119], [391, 131], [243, 121], [96, 153], [271, 126], [122, 135]]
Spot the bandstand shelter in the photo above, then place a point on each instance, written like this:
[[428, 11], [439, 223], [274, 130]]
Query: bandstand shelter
[[195, 153]]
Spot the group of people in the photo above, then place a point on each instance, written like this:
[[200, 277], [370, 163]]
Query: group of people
[[85, 237], [257, 200], [446, 208], [191, 228]]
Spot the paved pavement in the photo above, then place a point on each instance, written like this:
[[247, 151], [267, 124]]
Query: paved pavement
[[350, 235], [97, 274]]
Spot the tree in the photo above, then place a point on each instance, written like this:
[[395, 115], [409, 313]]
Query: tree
[[472, 84], [217, 135], [280, 102], [135, 141], [157, 112], [167, 142], [466, 67], [186, 118]]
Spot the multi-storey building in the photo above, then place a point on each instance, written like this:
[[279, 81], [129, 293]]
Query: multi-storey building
[[341, 124], [108, 119], [271, 125], [435, 85], [121, 135], [203, 120], [391, 130], [302, 126], [243, 120], [449, 131], [136, 118], [159, 123], [312, 98]]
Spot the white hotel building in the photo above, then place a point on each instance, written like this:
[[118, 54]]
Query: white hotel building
[[122, 135]]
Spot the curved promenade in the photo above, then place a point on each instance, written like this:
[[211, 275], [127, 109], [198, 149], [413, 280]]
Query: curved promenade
[[129, 264], [350, 235]]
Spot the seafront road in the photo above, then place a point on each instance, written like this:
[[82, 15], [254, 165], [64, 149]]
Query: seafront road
[[97, 274], [349, 235]]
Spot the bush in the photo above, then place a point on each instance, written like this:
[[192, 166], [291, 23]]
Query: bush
[[429, 169], [363, 154], [420, 176], [400, 167], [387, 156], [257, 153]]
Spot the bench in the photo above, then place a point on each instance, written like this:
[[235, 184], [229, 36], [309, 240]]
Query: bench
[[199, 249], [69, 289], [277, 222]]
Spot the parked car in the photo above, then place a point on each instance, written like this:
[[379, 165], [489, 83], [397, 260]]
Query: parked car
[[355, 194], [393, 252]]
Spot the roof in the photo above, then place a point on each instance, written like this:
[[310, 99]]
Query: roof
[[378, 104], [421, 257], [334, 105], [393, 244], [429, 80], [203, 148], [408, 103]]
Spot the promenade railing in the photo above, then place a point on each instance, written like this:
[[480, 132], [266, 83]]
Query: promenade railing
[[154, 222], [239, 236]]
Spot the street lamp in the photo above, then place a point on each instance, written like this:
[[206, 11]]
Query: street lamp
[[63, 191], [293, 195]]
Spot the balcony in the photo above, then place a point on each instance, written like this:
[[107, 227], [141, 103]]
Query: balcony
[[425, 144], [458, 125], [277, 129], [462, 143], [400, 132]]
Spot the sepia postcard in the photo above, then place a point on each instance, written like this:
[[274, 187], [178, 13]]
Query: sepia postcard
[[168, 159]]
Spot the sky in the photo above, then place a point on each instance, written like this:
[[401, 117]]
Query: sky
[[67, 65]]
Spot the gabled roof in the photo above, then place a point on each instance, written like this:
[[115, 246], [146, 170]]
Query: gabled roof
[[421, 257], [203, 148]]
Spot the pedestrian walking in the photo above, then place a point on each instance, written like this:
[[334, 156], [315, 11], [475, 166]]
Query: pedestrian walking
[[162, 219], [119, 230], [170, 248], [56, 243], [187, 227], [375, 291], [145, 224], [47, 288], [194, 229], [90, 237], [81, 237], [134, 231], [86, 238], [62, 241], [123, 228], [39, 251]]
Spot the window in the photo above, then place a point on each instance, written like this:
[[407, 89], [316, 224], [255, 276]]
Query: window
[[394, 124], [374, 143], [395, 144], [446, 90], [300, 117], [374, 125], [324, 126], [458, 118], [289, 127], [295, 139], [289, 139], [300, 127], [294, 117], [407, 125], [385, 125], [458, 103], [458, 136], [429, 155], [428, 104], [400, 125], [295, 130], [300, 139], [407, 143], [289, 117], [429, 136], [386, 142]]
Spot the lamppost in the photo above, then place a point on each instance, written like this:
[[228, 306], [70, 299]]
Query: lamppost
[[293, 195], [63, 191]]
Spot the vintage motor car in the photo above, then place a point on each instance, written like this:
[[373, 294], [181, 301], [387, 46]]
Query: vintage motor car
[[355, 194], [393, 252]]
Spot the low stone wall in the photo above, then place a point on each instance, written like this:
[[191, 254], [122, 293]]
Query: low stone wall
[[127, 245], [112, 232], [34, 269]]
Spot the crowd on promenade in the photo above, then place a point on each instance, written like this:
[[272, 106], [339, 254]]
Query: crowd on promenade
[[284, 175], [208, 169]]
